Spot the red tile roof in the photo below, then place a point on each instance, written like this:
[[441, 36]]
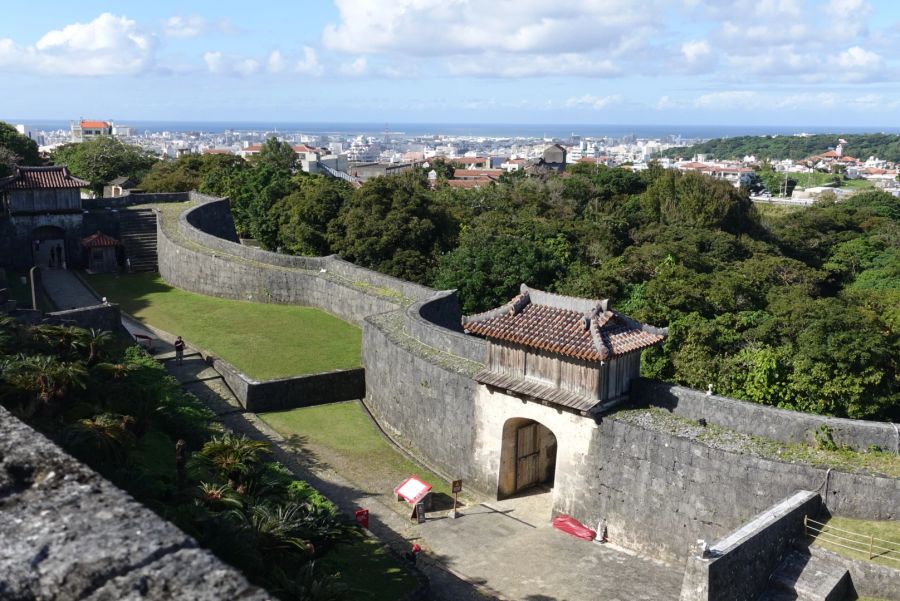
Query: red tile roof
[[469, 183], [559, 324], [476, 173], [99, 240], [94, 124], [35, 178]]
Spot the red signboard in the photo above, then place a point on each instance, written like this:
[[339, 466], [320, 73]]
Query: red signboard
[[412, 490], [362, 517]]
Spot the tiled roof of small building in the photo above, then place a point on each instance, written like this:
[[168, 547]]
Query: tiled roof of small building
[[87, 124], [568, 326], [99, 240], [35, 178]]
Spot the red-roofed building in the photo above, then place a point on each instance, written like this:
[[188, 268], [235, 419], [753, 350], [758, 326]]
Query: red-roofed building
[[572, 352], [476, 173], [43, 205], [550, 362], [87, 129], [101, 252], [471, 162]]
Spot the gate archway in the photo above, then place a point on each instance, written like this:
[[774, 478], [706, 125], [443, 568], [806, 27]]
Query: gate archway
[[48, 246], [527, 457]]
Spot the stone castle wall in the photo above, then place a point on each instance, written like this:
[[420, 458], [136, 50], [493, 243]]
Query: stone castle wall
[[656, 492], [66, 533]]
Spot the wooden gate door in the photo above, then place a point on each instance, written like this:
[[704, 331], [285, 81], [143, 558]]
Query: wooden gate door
[[527, 456]]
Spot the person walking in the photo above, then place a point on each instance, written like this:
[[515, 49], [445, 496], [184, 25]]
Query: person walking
[[59, 257], [179, 351], [52, 256]]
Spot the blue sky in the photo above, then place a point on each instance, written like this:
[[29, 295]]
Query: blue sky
[[755, 62]]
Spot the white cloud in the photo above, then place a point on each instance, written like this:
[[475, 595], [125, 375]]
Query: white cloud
[[356, 68], [472, 27], [184, 27], [309, 64], [505, 38], [533, 66], [595, 102], [858, 58], [108, 45], [695, 50], [214, 62], [276, 62]]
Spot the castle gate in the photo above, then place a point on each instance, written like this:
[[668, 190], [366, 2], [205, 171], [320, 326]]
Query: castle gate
[[527, 457]]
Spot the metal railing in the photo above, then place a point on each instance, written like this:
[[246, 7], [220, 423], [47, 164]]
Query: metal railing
[[335, 173], [866, 544]]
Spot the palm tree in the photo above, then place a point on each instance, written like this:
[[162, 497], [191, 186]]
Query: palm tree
[[48, 378], [232, 457], [106, 435], [96, 340]]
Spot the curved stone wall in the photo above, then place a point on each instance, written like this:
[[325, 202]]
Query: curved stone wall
[[442, 309], [656, 492]]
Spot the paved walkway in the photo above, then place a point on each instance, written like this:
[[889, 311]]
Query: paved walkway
[[494, 550], [65, 290]]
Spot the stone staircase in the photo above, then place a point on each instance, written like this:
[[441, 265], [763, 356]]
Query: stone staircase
[[804, 577], [138, 232]]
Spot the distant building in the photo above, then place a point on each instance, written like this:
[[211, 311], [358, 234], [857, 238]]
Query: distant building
[[88, 130], [366, 171], [554, 157]]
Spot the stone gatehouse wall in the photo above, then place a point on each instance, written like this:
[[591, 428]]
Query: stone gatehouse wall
[[426, 407], [659, 493], [761, 420]]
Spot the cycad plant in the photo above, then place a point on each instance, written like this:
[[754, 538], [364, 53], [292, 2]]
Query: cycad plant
[[105, 436], [229, 457]]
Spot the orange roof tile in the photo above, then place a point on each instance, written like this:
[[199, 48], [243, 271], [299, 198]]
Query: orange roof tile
[[35, 178], [553, 327], [94, 124]]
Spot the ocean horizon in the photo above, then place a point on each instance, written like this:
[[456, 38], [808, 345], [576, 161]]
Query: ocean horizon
[[498, 130]]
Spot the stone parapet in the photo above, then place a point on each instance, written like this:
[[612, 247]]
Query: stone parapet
[[66, 533]]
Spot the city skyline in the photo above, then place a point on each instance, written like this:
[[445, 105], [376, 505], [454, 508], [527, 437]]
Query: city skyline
[[757, 63]]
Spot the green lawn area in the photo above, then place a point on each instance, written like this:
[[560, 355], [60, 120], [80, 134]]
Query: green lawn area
[[344, 433], [368, 570], [856, 533], [262, 340]]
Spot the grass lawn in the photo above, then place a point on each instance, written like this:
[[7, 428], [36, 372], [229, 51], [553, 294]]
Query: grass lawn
[[888, 532], [262, 340], [342, 435], [370, 572]]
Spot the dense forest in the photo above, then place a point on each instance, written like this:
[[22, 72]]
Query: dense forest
[[801, 311], [861, 146]]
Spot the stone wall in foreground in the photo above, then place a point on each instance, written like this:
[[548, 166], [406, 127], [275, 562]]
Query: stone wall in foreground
[[739, 565], [66, 534]]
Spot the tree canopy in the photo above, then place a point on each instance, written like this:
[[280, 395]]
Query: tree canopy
[[103, 159], [801, 311], [15, 149], [883, 146]]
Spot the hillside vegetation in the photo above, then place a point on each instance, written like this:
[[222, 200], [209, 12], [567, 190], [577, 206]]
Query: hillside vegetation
[[862, 146], [800, 310]]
